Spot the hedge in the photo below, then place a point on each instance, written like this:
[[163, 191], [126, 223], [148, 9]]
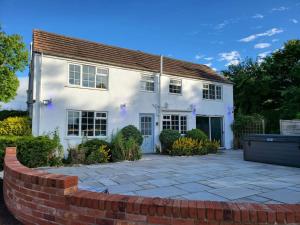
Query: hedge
[[33, 151], [12, 113]]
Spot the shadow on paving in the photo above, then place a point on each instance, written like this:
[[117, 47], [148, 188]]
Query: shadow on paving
[[5, 216]]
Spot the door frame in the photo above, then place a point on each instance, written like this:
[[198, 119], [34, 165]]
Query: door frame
[[153, 129], [209, 124]]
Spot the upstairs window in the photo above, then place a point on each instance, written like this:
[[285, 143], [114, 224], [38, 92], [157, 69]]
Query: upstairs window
[[74, 74], [212, 91], [175, 86], [88, 76], [175, 122], [102, 78], [148, 83]]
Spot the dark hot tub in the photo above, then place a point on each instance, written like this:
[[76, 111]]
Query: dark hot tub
[[272, 148]]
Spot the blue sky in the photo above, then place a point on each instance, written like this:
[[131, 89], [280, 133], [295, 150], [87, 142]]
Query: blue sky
[[216, 33]]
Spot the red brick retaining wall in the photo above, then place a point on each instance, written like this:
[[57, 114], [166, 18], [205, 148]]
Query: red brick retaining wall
[[38, 197]]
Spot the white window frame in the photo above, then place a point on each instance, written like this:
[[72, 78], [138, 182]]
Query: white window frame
[[179, 121], [102, 75], [79, 124], [81, 76], [177, 80], [206, 87], [94, 123], [143, 80]]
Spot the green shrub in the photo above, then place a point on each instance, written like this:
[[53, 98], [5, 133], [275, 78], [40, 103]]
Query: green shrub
[[124, 149], [35, 151], [188, 146], [196, 134], [15, 126], [212, 146], [75, 156], [131, 131], [12, 113], [99, 156], [167, 138], [92, 145], [117, 150], [183, 146]]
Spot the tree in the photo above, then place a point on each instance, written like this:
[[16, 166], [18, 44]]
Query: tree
[[13, 58], [270, 87]]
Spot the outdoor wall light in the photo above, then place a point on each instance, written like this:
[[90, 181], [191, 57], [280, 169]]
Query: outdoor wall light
[[47, 101], [123, 110], [193, 108], [123, 107]]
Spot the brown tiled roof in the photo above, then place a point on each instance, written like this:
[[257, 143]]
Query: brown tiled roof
[[59, 45]]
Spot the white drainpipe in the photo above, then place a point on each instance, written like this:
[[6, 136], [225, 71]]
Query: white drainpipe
[[159, 94], [38, 100]]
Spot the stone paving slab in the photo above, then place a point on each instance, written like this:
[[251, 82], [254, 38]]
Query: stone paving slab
[[283, 195], [233, 193], [222, 177]]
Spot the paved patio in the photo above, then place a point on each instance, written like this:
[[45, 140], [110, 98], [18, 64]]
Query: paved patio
[[221, 177]]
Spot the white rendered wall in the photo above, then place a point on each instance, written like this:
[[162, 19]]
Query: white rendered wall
[[124, 88]]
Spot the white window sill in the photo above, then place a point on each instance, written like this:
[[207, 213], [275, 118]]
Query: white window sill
[[84, 137], [213, 100], [176, 94], [88, 88], [144, 91]]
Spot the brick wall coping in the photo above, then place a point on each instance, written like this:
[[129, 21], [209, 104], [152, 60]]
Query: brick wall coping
[[38, 197]]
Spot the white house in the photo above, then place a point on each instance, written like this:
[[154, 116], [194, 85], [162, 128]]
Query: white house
[[90, 89]]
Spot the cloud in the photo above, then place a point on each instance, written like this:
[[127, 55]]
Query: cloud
[[198, 56], [258, 16], [294, 21], [208, 64], [269, 33], [226, 23], [262, 45], [281, 8], [275, 40], [213, 68], [19, 103], [209, 58], [263, 54], [222, 25], [232, 58]]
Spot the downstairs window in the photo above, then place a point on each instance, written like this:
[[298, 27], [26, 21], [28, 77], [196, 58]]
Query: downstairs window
[[175, 122], [87, 123]]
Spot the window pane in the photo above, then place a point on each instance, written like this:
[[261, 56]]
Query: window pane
[[74, 74], [218, 92], [100, 125], [73, 123], [101, 81], [148, 83], [205, 91], [175, 86], [212, 94], [88, 76], [183, 126], [87, 123]]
